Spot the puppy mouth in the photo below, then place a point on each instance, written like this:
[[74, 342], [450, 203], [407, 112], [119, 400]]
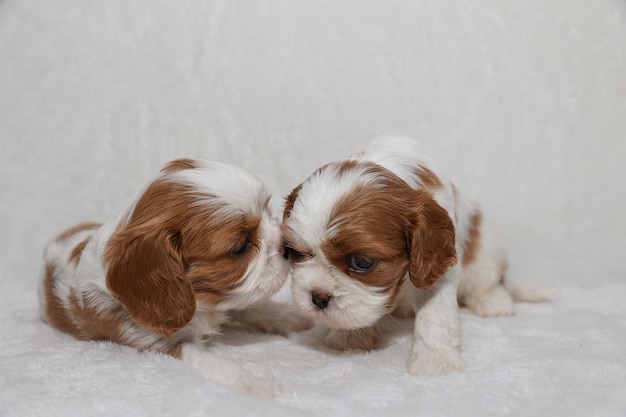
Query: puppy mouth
[[325, 308]]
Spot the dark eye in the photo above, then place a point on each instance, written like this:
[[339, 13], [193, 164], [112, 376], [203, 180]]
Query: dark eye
[[241, 248], [293, 255], [360, 264]]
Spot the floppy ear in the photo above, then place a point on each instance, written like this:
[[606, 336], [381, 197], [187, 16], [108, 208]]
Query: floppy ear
[[146, 274], [430, 242]]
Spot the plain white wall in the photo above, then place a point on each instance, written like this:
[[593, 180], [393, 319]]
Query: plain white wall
[[523, 101]]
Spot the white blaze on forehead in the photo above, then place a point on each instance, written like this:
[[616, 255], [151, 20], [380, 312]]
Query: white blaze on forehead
[[402, 156], [232, 184], [236, 188], [310, 215], [405, 157]]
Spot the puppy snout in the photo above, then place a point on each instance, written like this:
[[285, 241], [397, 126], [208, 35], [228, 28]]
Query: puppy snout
[[320, 300]]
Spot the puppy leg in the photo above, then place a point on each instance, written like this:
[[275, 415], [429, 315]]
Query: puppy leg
[[494, 302], [227, 372], [480, 286], [273, 317], [356, 339], [437, 346]]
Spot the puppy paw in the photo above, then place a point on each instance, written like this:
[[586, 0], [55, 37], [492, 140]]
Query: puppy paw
[[274, 318], [288, 321], [496, 302], [361, 339], [428, 362], [227, 372], [291, 322], [260, 387]]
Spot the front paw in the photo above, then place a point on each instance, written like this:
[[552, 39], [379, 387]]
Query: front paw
[[274, 318], [428, 362], [361, 339], [259, 386], [287, 322]]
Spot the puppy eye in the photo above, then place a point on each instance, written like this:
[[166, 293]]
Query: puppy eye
[[360, 264], [296, 256], [241, 248], [293, 255]]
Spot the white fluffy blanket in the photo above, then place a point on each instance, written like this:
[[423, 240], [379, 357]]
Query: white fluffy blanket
[[562, 358]]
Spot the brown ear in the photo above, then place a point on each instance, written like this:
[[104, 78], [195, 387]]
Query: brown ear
[[431, 242], [146, 274]]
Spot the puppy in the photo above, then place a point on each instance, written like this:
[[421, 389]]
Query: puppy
[[386, 231], [197, 243]]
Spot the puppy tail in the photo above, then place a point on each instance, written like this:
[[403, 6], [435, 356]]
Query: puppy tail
[[525, 294]]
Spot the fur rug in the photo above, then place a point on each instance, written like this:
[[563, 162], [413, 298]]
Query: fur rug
[[562, 358]]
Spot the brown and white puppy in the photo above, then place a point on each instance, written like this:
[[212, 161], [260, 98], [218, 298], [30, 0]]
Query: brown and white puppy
[[386, 231], [198, 242]]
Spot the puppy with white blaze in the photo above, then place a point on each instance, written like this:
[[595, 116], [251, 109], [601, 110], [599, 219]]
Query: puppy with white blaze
[[197, 247], [386, 232]]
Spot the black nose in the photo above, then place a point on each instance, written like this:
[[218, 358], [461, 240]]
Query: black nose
[[320, 300]]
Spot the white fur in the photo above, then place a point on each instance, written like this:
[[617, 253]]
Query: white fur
[[259, 284], [355, 308], [402, 155], [437, 346], [354, 305], [313, 208], [227, 372], [265, 275], [227, 182]]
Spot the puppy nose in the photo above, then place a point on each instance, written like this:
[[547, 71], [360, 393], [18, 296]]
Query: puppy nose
[[320, 300]]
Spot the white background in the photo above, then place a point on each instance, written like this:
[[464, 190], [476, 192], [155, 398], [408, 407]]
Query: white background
[[524, 102]]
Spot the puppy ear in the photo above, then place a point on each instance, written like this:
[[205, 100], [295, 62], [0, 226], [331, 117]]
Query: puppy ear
[[146, 274], [430, 242]]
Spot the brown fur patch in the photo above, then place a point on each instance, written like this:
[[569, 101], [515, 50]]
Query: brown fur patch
[[176, 245], [56, 313], [432, 243], [87, 323], [92, 323], [344, 167], [401, 229], [290, 200], [99, 324], [179, 165], [371, 222], [429, 179], [148, 278], [216, 270], [76, 253], [472, 244], [77, 229]]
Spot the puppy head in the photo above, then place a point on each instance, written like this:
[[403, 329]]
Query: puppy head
[[199, 236], [354, 231]]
